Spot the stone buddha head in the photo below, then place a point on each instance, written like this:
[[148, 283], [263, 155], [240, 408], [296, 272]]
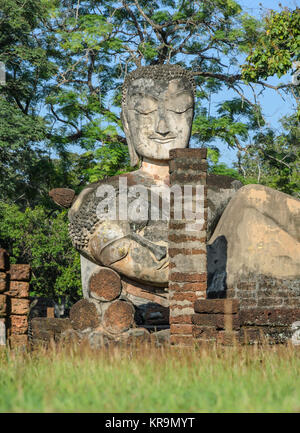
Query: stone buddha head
[[157, 111]]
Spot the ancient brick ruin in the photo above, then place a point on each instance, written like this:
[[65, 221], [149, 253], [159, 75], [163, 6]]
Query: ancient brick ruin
[[187, 246], [14, 300], [258, 309]]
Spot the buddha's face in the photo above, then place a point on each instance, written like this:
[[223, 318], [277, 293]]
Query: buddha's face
[[158, 116]]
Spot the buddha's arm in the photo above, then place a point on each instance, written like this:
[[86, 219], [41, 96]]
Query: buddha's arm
[[114, 245]]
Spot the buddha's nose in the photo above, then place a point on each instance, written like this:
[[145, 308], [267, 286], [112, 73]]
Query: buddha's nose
[[162, 127]]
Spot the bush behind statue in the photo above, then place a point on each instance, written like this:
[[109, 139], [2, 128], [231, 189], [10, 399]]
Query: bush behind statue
[[41, 239]]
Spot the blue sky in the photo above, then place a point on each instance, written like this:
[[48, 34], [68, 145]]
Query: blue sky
[[275, 105]]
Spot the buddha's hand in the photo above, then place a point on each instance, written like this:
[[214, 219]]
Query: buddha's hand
[[109, 242]]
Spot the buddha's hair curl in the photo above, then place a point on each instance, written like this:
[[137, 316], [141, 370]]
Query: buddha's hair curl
[[158, 72]]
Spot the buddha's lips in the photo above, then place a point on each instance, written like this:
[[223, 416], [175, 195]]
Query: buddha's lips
[[162, 140]]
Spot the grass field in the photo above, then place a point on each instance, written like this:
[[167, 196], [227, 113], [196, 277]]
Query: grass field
[[143, 379]]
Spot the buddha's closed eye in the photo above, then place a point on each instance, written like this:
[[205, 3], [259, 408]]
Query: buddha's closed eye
[[143, 104], [180, 102], [177, 103]]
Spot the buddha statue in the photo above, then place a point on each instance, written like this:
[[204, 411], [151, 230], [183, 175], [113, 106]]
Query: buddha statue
[[157, 115], [251, 229]]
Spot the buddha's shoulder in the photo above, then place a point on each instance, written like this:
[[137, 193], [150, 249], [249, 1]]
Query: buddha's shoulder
[[90, 196]]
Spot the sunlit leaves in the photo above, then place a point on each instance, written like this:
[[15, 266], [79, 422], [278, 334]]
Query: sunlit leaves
[[277, 48]]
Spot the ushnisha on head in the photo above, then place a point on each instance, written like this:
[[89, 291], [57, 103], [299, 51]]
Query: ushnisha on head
[[157, 111]]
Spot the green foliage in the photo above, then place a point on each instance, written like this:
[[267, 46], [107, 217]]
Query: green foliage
[[216, 167], [228, 126], [112, 160], [42, 240], [274, 160], [277, 47]]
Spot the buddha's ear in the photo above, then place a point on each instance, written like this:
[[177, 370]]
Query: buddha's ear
[[134, 158]]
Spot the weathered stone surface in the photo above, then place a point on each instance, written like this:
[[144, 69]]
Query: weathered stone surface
[[189, 153], [173, 252], [3, 305], [118, 317], [50, 312], [98, 340], [20, 272], [205, 332], [185, 164], [181, 287], [161, 338], [185, 329], [19, 306], [262, 230], [228, 338], [187, 259], [181, 319], [84, 315], [71, 337], [18, 341], [4, 260], [3, 282], [140, 294], [188, 277], [18, 289], [266, 291], [182, 340], [62, 196], [18, 324], [220, 190], [187, 178], [217, 306], [182, 296], [265, 334], [269, 317], [105, 285], [2, 332], [47, 329], [221, 321], [135, 336]]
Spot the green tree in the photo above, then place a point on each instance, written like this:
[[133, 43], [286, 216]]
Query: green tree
[[273, 158], [30, 236]]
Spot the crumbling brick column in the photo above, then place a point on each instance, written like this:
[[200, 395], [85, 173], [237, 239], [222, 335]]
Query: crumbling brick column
[[4, 266], [19, 277], [216, 320], [14, 300], [187, 242]]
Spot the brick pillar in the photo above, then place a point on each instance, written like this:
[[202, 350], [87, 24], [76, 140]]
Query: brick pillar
[[4, 266], [187, 243], [18, 294]]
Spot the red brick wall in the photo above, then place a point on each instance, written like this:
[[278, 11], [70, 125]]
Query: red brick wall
[[258, 309]]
